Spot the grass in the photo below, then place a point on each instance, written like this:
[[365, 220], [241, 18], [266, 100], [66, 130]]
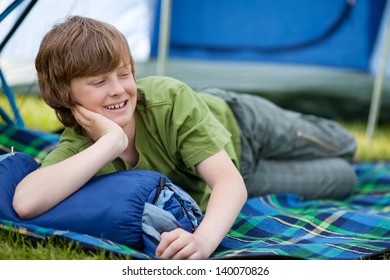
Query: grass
[[37, 115], [18, 247], [379, 149]]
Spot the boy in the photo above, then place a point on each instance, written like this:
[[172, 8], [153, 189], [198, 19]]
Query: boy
[[113, 122]]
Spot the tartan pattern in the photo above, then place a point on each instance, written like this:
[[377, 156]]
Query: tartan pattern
[[283, 226], [85, 241], [35, 143]]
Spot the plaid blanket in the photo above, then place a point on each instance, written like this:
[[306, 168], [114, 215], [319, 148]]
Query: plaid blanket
[[35, 143], [284, 226]]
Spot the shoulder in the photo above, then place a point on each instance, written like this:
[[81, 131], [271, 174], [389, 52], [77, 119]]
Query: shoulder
[[159, 82], [157, 89], [72, 141]]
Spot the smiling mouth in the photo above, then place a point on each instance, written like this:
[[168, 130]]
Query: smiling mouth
[[116, 106]]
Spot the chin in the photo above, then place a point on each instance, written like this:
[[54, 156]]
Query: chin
[[122, 123]]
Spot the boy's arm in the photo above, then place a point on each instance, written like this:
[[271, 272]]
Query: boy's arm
[[226, 200], [46, 187]]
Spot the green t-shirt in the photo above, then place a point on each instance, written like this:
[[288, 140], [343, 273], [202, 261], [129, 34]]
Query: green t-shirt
[[175, 129]]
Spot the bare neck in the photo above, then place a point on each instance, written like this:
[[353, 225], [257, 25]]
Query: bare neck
[[130, 154]]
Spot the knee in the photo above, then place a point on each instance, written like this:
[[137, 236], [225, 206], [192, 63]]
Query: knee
[[337, 180], [344, 181]]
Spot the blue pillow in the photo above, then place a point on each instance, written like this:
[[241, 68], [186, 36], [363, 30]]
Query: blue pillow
[[131, 207], [13, 168]]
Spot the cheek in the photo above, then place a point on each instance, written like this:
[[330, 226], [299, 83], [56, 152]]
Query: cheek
[[89, 102], [131, 89], [130, 86]]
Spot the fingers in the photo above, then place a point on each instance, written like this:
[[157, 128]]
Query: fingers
[[78, 113], [82, 115], [97, 125], [94, 123], [177, 244]]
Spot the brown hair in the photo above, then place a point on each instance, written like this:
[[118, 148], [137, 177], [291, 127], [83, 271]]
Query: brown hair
[[78, 47]]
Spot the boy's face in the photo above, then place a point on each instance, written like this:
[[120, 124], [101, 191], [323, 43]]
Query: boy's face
[[113, 94]]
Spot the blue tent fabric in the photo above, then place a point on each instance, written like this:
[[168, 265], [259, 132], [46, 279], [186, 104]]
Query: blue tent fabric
[[329, 33], [284, 226]]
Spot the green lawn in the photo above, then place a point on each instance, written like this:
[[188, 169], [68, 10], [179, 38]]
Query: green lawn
[[38, 115]]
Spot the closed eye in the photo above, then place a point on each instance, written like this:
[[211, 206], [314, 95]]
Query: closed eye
[[98, 82], [124, 75]]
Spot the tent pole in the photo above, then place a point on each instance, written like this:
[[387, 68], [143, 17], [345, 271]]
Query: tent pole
[[17, 23], [378, 88], [163, 41]]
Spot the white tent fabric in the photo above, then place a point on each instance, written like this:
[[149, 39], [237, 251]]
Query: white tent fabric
[[133, 17]]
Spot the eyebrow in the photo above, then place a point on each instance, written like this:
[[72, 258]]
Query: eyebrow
[[120, 67]]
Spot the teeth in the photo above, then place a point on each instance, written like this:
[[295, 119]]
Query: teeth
[[116, 106]]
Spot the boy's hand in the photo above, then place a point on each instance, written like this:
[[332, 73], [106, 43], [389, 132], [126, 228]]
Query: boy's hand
[[97, 125], [180, 244]]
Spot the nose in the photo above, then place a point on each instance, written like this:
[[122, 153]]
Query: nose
[[115, 87]]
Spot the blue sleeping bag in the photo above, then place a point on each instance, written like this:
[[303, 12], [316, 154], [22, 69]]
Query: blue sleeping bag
[[131, 207]]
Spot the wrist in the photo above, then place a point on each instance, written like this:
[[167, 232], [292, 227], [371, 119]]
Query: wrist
[[113, 144], [210, 241]]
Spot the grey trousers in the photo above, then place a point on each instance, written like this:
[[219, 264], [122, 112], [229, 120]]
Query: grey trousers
[[287, 152]]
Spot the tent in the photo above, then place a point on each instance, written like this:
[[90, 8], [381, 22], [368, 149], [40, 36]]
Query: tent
[[316, 57], [24, 23], [337, 34], [133, 18]]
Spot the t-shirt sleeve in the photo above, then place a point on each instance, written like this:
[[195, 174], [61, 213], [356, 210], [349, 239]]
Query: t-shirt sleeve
[[58, 154], [199, 134], [72, 141]]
